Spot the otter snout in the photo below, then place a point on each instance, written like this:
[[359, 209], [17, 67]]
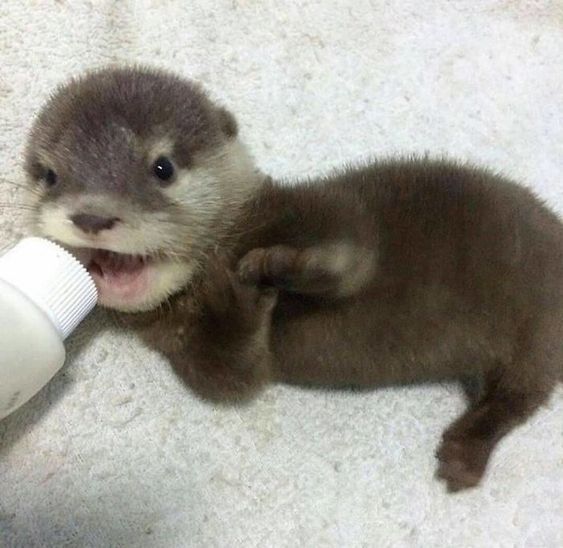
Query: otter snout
[[92, 224]]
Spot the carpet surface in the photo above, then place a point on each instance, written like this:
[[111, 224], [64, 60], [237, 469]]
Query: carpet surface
[[115, 451]]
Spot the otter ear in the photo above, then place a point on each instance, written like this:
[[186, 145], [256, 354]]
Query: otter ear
[[228, 123]]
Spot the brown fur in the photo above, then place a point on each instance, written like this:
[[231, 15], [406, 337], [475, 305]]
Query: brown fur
[[397, 271], [466, 280]]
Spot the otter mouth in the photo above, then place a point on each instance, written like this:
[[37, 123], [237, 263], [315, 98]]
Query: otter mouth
[[133, 282], [121, 279], [117, 269]]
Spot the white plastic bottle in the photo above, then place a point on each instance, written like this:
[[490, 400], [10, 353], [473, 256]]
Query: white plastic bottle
[[44, 294]]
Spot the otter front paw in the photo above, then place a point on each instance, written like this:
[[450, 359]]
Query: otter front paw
[[332, 270], [226, 357], [273, 266], [233, 306], [289, 269]]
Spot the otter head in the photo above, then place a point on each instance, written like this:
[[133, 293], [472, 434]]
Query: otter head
[[139, 173]]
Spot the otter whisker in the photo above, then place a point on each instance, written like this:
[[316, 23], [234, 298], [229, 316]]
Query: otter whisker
[[11, 182], [16, 206]]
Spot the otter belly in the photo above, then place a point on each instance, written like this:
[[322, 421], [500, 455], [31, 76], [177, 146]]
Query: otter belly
[[373, 341]]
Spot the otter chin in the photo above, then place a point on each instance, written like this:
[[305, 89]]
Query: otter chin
[[389, 272]]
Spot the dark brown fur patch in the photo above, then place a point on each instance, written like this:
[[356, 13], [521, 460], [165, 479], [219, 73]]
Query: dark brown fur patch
[[468, 282]]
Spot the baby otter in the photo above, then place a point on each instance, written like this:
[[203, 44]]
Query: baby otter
[[394, 271]]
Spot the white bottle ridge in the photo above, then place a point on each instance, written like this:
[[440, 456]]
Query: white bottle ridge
[[44, 294]]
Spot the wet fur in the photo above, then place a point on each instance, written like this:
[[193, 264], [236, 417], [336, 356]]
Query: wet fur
[[397, 271]]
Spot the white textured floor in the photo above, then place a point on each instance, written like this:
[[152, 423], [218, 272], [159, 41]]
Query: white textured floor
[[115, 452]]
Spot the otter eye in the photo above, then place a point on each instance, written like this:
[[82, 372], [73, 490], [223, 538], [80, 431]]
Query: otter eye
[[163, 168], [50, 177]]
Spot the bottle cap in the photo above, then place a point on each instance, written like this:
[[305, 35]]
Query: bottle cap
[[51, 278]]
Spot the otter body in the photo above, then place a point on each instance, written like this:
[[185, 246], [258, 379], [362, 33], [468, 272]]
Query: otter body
[[391, 272], [443, 273]]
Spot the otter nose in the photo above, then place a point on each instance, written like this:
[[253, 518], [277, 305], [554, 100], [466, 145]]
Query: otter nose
[[92, 224]]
